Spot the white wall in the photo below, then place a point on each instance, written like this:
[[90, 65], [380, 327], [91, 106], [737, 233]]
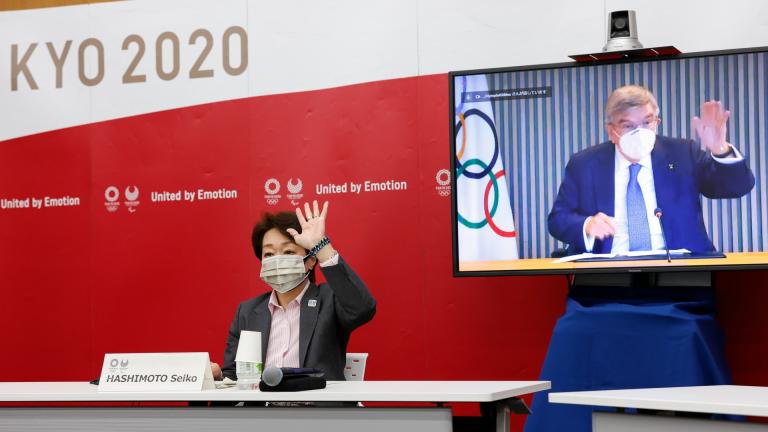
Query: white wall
[[304, 45], [497, 33]]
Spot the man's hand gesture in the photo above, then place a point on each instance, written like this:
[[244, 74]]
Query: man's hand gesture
[[601, 226], [712, 127]]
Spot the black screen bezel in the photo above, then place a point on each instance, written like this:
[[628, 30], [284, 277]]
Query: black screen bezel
[[587, 270]]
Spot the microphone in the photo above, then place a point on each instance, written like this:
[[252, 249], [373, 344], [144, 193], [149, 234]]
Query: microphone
[[273, 376], [658, 213]]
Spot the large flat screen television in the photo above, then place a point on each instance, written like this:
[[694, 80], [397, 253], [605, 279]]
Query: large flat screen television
[[548, 177]]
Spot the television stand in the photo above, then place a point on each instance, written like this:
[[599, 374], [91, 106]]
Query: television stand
[[631, 330], [700, 279]]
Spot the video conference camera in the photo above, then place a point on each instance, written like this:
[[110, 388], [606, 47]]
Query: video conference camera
[[622, 31]]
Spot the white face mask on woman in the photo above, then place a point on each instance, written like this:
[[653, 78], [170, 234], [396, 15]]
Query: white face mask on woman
[[283, 272], [637, 143]]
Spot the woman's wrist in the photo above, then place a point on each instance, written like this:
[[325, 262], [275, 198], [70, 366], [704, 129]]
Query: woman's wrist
[[325, 253]]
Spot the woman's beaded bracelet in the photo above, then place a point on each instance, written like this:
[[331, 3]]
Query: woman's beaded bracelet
[[325, 241]]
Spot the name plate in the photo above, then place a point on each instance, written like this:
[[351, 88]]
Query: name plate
[[156, 372]]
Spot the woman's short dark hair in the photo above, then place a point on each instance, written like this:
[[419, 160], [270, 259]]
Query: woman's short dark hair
[[280, 221]]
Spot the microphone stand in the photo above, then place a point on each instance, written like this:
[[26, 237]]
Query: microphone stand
[[658, 213]]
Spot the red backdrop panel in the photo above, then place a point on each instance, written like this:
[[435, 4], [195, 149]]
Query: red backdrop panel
[[81, 281]]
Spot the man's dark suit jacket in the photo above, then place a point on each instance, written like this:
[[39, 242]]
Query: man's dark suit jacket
[[681, 173], [340, 306]]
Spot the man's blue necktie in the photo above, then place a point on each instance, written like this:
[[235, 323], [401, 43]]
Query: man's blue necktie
[[637, 216]]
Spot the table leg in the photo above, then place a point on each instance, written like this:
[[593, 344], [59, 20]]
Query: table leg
[[504, 408]]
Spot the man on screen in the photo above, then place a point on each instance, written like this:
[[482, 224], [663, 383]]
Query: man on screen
[[302, 324], [607, 200]]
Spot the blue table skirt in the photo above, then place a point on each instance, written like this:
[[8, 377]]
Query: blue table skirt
[[636, 341]]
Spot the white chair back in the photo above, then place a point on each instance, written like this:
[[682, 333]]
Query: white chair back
[[354, 370]]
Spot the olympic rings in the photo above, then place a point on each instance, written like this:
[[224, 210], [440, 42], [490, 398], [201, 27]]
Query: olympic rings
[[495, 156], [492, 182], [489, 215]]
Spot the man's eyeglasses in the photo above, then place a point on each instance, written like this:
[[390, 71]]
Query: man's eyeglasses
[[625, 127]]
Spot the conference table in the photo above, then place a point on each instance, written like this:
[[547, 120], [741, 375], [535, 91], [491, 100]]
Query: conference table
[[675, 408], [504, 395]]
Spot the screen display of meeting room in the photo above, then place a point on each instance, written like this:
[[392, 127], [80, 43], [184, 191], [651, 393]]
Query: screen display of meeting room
[[534, 162]]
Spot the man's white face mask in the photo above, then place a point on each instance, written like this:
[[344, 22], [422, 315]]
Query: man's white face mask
[[638, 143]]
